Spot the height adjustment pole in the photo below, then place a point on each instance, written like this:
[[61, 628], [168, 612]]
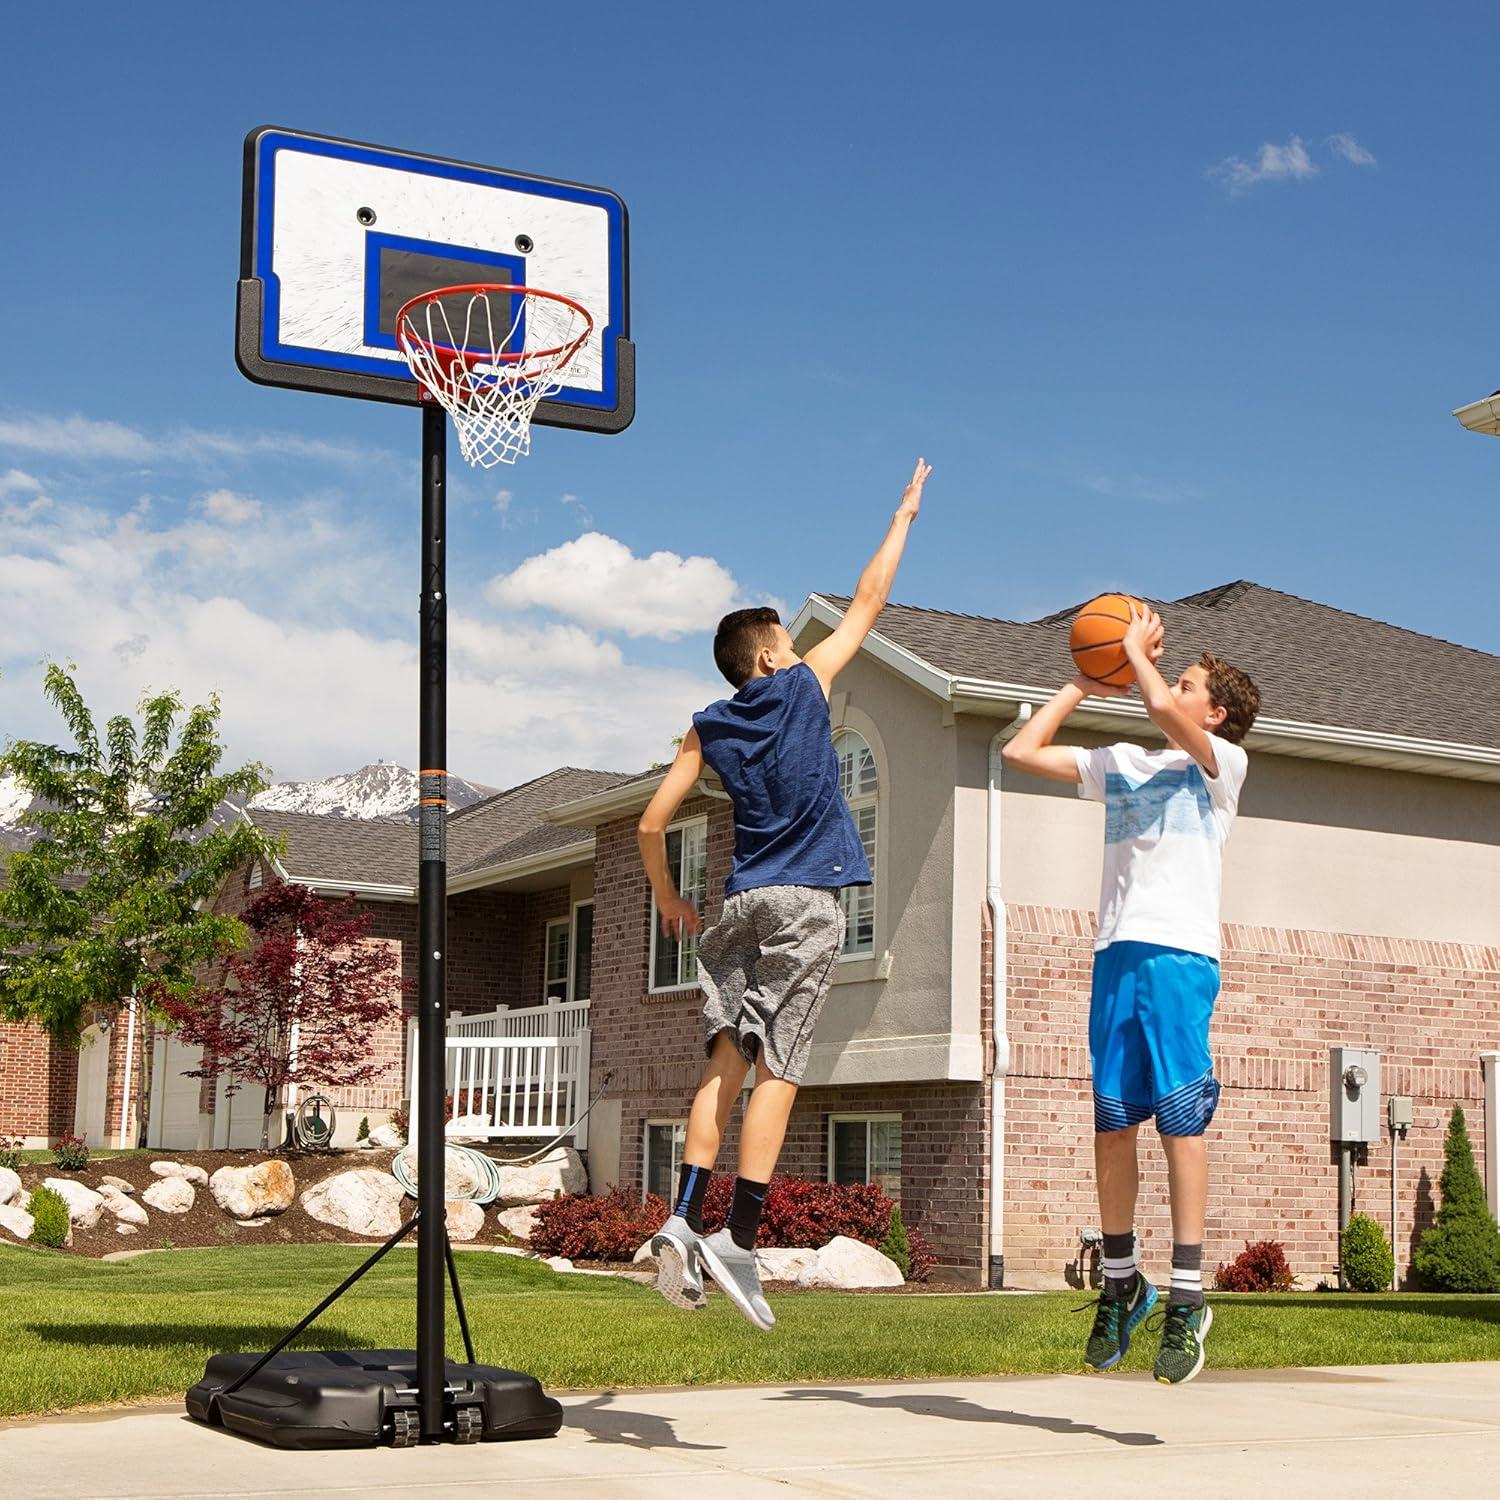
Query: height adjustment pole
[[432, 924]]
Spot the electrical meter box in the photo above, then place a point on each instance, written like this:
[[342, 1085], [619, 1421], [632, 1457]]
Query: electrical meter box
[[1355, 1095]]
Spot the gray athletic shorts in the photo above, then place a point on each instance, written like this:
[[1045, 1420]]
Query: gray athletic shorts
[[765, 967]]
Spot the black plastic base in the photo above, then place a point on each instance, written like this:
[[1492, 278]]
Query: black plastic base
[[363, 1397]]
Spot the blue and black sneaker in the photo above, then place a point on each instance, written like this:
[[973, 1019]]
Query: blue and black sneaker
[[1184, 1339], [1115, 1319]]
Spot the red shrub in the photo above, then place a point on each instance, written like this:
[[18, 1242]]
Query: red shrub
[[799, 1213], [582, 1227], [1260, 1267]]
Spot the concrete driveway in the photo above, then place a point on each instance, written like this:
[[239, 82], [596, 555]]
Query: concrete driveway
[[1397, 1430]]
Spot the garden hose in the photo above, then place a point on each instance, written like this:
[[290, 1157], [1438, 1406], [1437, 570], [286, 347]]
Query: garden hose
[[312, 1123]]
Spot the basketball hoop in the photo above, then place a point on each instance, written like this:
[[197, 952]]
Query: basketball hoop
[[488, 354]]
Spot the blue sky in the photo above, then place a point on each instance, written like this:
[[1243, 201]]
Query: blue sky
[[1168, 297]]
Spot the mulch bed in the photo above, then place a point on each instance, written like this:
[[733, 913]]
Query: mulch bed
[[205, 1223]]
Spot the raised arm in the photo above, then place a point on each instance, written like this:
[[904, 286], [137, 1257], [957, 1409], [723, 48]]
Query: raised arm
[[1032, 748], [1142, 644], [679, 918], [829, 658]]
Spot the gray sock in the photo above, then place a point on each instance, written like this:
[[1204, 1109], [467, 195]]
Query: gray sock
[[1119, 1263], [1187, 1276]]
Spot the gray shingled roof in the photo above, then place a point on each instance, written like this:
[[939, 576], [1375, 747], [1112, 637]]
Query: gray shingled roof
[[1312, 663], [377, 851]]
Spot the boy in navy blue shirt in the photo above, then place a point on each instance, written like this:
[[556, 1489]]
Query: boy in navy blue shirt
[[766, 965]]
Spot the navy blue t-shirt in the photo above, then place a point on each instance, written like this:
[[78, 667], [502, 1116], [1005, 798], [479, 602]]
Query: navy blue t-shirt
[[772, 747]]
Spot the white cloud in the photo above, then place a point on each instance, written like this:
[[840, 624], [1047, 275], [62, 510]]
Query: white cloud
[[598, 581], [301, 623], [1288, 163], [76, 437], [1345, 145], [18, 482], [230, 508]]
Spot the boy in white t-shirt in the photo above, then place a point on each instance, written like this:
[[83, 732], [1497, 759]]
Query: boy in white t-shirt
[[1156, 965]]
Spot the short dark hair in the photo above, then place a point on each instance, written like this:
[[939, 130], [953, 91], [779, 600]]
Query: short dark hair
[[740, 638], [1232, 690]]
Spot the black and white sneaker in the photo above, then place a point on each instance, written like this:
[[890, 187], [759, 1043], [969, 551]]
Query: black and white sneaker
[[679, 1276]]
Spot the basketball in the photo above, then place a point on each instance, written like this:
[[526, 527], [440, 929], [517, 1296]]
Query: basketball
[[1098, 629]]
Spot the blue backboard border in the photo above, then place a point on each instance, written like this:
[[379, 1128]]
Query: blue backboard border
[[266, 362]]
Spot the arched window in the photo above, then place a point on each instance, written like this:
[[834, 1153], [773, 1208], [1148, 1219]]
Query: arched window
[[859, 783]]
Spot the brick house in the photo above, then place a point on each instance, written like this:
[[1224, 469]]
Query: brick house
[[1361, 907]]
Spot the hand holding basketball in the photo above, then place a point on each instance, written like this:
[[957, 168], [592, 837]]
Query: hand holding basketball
[[1097, 641], [1145, 633], [911, 496]]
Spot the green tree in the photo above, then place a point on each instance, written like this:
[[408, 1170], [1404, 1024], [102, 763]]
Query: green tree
[[1461, 1252], [115, 897]]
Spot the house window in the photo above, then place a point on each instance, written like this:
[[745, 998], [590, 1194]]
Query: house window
[[257, 876], [859, 783], [558, 951], [583, 951], [674, 963], [866, 1148], [664, 1143]]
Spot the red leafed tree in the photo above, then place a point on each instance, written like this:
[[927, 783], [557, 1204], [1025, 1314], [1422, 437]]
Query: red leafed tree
[[302, 1005]]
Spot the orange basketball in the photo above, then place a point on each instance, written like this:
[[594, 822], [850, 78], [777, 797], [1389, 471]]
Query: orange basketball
[[1098, 629]]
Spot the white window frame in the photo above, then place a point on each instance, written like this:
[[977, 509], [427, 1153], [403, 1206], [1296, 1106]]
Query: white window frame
[[683, 985], [676, 1159], [876, 1117], [566, 923], [573, 952], [849, 955], [257, 876]]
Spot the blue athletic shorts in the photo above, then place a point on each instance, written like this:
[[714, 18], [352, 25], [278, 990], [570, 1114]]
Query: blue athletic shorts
[[1148, 1038]]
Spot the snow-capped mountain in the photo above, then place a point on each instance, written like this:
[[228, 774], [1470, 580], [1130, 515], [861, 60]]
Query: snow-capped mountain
[[379, 790]]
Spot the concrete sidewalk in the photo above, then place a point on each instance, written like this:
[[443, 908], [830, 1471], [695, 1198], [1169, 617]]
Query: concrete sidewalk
[[1386, 1431]]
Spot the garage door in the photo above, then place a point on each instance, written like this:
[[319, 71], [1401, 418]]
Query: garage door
[[93, 1082], [176, 1122]]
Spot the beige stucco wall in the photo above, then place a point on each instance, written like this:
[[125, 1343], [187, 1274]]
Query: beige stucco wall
[[1322, 846], [920, 1021]]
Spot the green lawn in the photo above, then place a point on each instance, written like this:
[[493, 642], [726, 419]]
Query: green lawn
[[81, 1332], [35, 1156]]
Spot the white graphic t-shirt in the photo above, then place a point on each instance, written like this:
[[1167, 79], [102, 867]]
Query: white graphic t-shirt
[[1165, 823]]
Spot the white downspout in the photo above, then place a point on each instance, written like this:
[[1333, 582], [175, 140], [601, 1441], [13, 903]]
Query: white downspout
[[998, 982], [128, 1091]]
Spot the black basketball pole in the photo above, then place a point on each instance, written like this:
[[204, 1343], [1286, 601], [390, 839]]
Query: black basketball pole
[[432, 924]]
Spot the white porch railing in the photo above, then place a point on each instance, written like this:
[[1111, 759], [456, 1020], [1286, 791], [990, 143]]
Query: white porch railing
[[515, 1072]]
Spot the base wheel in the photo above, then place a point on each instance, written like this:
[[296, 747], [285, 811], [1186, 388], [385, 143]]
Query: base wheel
[[468, 1424], [406, 1427]]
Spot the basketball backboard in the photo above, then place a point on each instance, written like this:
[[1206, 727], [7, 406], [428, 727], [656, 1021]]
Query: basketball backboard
[[337, 235]]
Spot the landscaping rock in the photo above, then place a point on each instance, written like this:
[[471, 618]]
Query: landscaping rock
[[127, 1210], [172, 1195], [460, 1177], [84, 1204], [387, 1138], [560, 1171], [467, 1130], [465, 1219], [196, 1175], [520, 1222], [16, 1221], [364, 1201], [785, 1265], [559, 1263], [643, 1256], [119, 1184], [126, 1229], [846, 1263], [10, 1187], [267, 1187]]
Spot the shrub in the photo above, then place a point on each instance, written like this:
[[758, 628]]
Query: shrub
[[583, 1227], [363, 1133], [799, 1213], [10, 1152], [1260, 1267], [1366, 1255], [71, 1153], [1461, 1252], [50, 1214], [895, 1246], [400, 1118]]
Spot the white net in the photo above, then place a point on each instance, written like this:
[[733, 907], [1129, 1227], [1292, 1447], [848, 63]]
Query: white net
[[488, 355]]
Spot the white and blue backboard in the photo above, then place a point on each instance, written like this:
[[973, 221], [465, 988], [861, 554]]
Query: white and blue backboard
[[338, 235]]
